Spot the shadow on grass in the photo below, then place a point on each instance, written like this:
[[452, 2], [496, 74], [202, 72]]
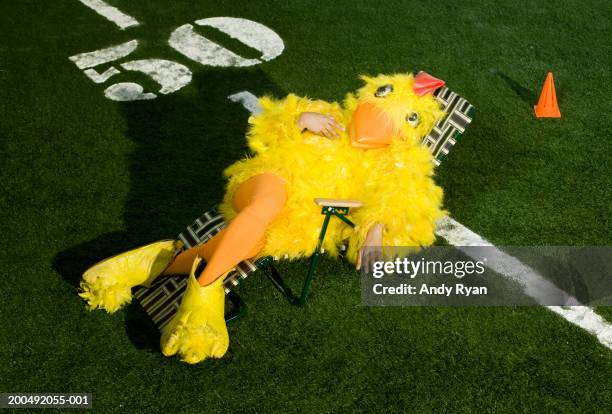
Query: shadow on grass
[[183, 142], [525, 94]]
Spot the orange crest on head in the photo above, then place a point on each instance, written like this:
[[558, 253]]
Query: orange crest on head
[[425, 83]]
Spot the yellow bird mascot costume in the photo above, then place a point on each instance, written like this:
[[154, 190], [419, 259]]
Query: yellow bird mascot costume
[[375, 156]]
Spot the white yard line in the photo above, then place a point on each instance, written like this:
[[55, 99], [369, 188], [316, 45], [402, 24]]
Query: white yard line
[[584, 317], [460, 236], [111, 13]]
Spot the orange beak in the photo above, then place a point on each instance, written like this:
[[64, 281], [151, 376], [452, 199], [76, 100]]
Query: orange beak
[[370, 127]]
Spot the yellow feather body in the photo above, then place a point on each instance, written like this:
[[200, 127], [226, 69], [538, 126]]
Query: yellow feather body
[[394, 183]]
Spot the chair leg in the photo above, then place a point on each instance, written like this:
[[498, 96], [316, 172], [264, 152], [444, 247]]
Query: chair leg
[[239, 308], [314, 261], [274, 276], [272, 273]]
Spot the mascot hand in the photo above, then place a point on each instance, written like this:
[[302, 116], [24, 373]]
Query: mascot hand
[[320, 124], [371, 250], [198, 330]]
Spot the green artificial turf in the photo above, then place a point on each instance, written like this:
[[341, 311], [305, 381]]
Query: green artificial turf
[[83, 177]]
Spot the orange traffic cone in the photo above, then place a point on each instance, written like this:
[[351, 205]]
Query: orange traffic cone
[[547, 105]]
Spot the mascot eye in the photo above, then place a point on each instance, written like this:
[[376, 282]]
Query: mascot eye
[[383, 91], [412, 118]]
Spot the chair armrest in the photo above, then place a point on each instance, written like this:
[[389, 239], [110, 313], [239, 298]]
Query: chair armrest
[[337, 202]]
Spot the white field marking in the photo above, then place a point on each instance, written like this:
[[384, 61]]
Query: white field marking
[[170, 75], [535, 285], [251, 33], [582, 316], [187, 41], [127, 91], [458, 235], [196, 47], [108, 54], [97, 77], [111, 13], [248, 100]]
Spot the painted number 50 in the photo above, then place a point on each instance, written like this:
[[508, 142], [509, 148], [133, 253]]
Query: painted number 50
[[170, 75]]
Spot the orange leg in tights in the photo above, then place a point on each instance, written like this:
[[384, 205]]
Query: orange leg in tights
[[257, 201]]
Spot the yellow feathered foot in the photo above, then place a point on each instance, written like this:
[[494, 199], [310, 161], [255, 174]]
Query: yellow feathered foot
[[107, 284], [198, 330]]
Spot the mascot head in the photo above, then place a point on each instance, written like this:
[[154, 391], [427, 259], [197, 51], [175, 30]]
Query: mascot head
[[398, 106]]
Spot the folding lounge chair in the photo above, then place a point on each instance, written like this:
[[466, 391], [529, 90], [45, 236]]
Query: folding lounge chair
[[163, 298]]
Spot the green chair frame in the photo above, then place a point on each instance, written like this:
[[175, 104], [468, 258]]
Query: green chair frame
[[266, 264]]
